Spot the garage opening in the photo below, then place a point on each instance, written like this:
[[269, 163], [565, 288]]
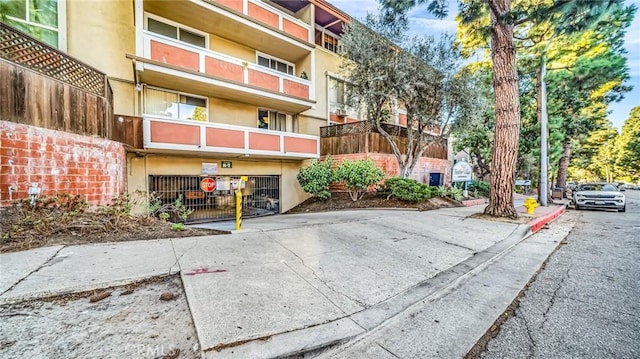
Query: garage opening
[[212, 197]]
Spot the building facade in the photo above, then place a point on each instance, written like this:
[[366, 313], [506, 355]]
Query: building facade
[[220, 89]]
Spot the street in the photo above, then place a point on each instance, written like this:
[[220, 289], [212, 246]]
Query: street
[[586, 302]]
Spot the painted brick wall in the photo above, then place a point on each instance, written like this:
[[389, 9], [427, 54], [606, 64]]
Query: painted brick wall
[[389, 164], [59, 162]]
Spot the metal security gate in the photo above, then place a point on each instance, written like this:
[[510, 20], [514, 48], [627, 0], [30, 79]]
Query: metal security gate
[[212, 198]]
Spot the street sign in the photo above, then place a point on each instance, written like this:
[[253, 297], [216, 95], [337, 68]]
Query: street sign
[[227, 164], [208, 184]]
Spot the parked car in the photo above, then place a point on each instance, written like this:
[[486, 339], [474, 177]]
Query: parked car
[[599, 195]]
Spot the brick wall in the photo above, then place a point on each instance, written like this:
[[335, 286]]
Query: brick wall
[[59, 162], [389, 164]]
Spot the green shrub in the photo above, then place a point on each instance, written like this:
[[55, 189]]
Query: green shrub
[[441, 191], [357, 176], [405, 189], [316, 178], [456, 193], [479, 188]]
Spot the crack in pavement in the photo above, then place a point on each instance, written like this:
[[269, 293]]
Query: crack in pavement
[[532, 342], [554, 295], [361, 304], [387, 350], [45, 264]]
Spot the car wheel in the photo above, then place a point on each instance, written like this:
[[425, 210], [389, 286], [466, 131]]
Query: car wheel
[[577, 207], [624, 209]]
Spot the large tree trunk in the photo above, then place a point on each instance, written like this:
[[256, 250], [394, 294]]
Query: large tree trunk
[[507, 108], [563, 164]]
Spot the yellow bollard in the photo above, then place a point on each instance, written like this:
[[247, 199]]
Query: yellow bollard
[[239, 202], [530, 204]]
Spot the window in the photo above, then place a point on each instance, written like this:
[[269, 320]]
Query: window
[[276, 64], [271, 120], [158, 102], [329, 42], [38, 18], [337, 94], [175, 31]]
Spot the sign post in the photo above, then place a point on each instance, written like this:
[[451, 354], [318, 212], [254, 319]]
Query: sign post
[[239, 202]]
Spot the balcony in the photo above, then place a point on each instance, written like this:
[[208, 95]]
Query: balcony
[[211, 138], [249, 22], [172, 64]]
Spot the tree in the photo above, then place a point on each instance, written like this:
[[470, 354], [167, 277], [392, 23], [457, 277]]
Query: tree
[[591, 71], [505, 84], [420, 74], [628, 154], [497, 20]]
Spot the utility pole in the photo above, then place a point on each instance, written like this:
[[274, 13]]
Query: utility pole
[[544, 160]]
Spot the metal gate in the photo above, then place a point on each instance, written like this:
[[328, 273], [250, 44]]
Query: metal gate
[[212, 198]]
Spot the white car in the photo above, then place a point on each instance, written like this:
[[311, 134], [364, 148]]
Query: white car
[[599, 195]]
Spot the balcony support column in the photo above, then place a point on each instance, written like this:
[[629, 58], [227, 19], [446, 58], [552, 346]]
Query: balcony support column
[[138, 13]]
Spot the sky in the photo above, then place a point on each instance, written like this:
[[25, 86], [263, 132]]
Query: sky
[[424, 23]]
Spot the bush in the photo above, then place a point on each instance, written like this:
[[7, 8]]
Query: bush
[[456, 193], [358, 176], [441, 191], [405, 189], [316, 178], [479, 188]]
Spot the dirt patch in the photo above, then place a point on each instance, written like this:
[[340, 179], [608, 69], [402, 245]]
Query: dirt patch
[[340, 200], [87, 228], [139, 230], [132, 322], [522, 218]]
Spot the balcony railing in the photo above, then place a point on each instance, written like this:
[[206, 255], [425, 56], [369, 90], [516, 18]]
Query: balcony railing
[[271, 16], [184, 135], [194, 58]]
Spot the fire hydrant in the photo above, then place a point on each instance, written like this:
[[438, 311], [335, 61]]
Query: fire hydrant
[[530, 204]]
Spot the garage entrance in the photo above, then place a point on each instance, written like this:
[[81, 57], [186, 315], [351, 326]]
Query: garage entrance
[[212, 197]]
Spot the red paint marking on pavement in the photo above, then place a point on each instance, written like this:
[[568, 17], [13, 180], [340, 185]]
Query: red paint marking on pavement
[[205, 271]]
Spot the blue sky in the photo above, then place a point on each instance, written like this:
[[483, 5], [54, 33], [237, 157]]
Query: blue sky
[[421, 22]]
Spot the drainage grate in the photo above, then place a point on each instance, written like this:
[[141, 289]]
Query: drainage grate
[[212, 197]]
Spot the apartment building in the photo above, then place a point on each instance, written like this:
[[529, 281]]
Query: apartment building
[[221, 89]]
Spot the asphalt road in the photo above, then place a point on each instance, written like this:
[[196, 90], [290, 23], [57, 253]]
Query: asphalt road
[[586, 302]]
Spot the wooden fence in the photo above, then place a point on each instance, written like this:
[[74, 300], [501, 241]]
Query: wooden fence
[[43, 87], [127, 130], [362, 137]]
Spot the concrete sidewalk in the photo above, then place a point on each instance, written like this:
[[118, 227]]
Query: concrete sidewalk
[[285, 284]]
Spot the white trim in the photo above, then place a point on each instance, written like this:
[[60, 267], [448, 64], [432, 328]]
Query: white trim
[[178, 26], [312, 75], [262, 54], [202, 147], [62, 25], [228, 85], [253, 24], [216, 55], [138, 9], [281, 14]]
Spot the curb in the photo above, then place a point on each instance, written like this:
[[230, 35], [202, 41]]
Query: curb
[[538, 223]]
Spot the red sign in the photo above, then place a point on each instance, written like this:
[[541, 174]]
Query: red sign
[[208, 184]]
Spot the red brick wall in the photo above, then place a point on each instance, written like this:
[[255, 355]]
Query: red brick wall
[[59, 162], [389, 164]]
